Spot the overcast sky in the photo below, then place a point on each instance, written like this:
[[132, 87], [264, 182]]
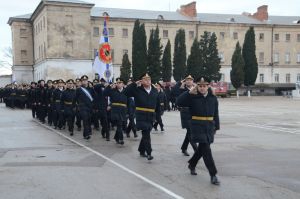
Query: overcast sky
[[276, 7]]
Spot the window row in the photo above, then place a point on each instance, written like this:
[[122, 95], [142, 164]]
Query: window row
[[39, 26], [277, 79]]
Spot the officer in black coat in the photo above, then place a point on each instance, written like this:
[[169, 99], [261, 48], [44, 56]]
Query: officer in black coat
[[41, 98], [77, 114], [204, 111], [118, 103], [100, 107], [57, 108], [95, 120], [131, 114], [32, 98], [50, 90], [84, 101], [160, 108], [145, 96], [68, 106], [22, 96], [183, 86]]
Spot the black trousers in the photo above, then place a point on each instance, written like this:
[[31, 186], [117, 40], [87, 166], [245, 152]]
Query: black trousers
[[33, 110], [70, 117], [131, 126], [78, 119], [119, 131], [42, 112], [203, 150], [187, 141], [95, 119], [57, 117], [85, 114], [50, 114], [158, 121], [145, 144], [102, 116]]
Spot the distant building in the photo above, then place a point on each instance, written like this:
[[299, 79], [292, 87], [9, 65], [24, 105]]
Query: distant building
[[5, 79], [60, 38]]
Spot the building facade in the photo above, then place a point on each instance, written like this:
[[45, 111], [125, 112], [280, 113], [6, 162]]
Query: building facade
[[60, 38]]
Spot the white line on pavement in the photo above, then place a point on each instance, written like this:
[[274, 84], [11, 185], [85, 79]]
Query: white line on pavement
[[170, 193], [269, 128]]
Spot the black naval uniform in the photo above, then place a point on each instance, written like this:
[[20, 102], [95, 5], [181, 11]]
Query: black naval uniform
[[41, 99], [118, 105], [50, 105], [131, 116], [68, 107], [57, 109], [85, 105], [21, 98], [145, 113], [100, 105], [185, 118], [32, 101], [160, 109], [204, 123]]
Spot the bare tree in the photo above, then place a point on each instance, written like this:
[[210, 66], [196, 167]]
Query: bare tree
[[7, 58]]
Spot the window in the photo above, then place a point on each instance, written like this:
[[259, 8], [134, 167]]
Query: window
[[23, 54], [125, 51], [261, 78], [69, 45], [23, 31], [111, 32], [276, 37], [221, 56], [288, 37], [45, 49], [298, 37], [222, 35], [261, 57], [96, 31], [261, 36], [288, 78], [298, 77], [276, 78], [165, 34], [235, 35], [276, 58], [125, 32], [287, 58], [191, 34], [44, 22], [298, 58]]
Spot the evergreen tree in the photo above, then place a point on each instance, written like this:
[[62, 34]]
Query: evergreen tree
[[125, 68], [154, 55], [179, 59], [213, 66], [237, 65], [209, 58], [139, 50], [166, 63], [193, 61], [251, 66]]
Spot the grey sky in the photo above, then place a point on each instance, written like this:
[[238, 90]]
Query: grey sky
[[276, 7]]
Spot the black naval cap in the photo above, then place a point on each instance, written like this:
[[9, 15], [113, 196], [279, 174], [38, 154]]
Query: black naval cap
[[60, 81], [95, 81], [77, 80], [119, 80], [84, 77], [145, 75], [189, 77], [41, 80], [70, 81], [102, 80], [33, 83], [49, 81], [202, 80], [158, 84]]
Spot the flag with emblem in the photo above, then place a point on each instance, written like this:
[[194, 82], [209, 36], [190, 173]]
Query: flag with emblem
[[103, 58]]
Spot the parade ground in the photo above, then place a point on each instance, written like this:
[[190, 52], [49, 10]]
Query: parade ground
[[257, 153]]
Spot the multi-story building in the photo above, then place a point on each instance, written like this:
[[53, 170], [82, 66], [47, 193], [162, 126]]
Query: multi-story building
[[60, 38]]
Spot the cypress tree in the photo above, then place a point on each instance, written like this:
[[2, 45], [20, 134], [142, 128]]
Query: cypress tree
[[154, 55], [213, 66], [125, 68], [237, 65], [248, 52], [166, 63], [139, 50], [193, 61], [179, 59]]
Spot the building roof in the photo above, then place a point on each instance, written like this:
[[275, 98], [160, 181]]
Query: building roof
[[174, 15]]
